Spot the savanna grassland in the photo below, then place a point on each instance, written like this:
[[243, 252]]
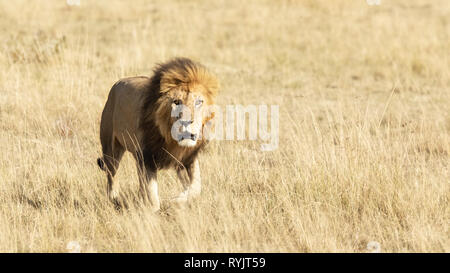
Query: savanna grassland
[[364, 147]]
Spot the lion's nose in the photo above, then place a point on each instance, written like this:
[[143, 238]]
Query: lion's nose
[[194, 136], [186, 122]]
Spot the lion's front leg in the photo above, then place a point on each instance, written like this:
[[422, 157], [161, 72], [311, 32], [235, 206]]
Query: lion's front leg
[[148, 187], [195, 187], [192, 184]]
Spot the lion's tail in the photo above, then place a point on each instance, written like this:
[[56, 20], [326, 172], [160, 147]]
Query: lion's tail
[[101, 163]]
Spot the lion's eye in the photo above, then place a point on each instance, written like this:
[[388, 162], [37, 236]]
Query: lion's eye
[[198, 103], [177, 102]]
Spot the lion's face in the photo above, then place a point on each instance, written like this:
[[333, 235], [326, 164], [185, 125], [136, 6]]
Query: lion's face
[[186, 113]]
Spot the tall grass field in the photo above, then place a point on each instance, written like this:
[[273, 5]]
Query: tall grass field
[[363, 90]]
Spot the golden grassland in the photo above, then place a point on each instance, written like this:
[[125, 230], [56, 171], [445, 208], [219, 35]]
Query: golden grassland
[[364, 97]]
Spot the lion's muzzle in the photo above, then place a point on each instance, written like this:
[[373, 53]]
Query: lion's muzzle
[[185, 133]]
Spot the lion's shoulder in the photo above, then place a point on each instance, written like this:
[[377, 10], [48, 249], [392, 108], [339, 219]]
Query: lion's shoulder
[[139, 83]]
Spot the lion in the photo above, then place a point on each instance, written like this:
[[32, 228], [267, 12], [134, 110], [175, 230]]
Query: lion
[[151, 118]]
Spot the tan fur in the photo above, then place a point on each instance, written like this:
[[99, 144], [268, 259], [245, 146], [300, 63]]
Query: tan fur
[[137, 118]]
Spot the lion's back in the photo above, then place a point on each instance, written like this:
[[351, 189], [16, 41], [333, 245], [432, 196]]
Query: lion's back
[[122, 112]]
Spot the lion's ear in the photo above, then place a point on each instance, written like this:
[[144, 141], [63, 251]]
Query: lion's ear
[[208, 126], [210, 113], [208, 129]]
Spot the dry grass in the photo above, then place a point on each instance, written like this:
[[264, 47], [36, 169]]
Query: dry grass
[[364, 102]]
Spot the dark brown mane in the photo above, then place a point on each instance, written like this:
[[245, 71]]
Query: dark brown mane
[[158, 152]]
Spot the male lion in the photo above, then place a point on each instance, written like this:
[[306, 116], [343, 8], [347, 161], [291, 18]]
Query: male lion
[[151, 118]]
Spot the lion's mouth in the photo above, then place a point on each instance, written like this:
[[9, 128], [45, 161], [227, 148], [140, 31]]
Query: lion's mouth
[[182, 132], [187, 140]]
